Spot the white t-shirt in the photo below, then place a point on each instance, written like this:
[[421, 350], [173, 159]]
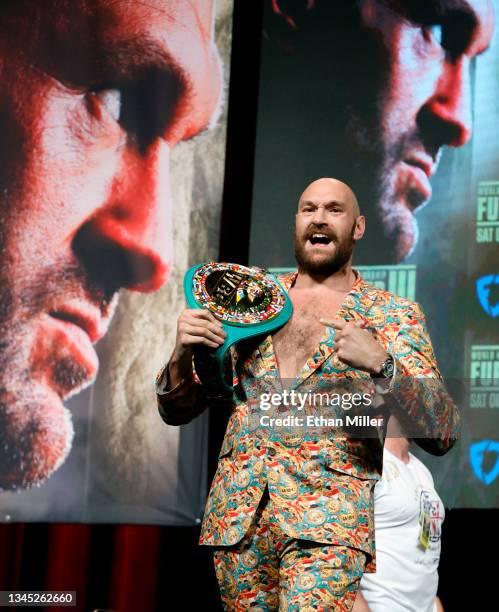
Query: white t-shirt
[[408, 519]]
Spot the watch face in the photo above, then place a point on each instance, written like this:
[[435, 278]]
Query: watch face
[[387, 368], [237, 294]]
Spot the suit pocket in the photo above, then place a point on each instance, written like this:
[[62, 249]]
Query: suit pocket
[[349, 465]]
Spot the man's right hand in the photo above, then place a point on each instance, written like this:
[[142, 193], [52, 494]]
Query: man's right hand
[[195, 327]]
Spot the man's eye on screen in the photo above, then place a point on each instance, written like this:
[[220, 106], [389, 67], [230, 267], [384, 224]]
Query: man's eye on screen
[[137, 106], [126, 108], [104, 105], [433, 33], [110, 100], [148, 106]]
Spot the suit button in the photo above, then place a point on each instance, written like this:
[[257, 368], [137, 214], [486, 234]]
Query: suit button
[[271, 452]]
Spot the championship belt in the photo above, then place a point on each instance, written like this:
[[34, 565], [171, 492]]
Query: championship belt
[[247, 301]]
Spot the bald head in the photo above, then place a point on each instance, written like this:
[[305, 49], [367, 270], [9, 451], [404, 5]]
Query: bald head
[[328, 223], [330, 190]]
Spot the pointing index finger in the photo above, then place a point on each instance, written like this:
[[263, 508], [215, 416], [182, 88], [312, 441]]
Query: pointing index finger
[[334, 323]]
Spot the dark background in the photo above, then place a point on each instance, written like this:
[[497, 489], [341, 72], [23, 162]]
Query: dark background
[[148, 568]]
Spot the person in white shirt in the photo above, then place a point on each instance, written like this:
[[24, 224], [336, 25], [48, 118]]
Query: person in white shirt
[[408, 521]]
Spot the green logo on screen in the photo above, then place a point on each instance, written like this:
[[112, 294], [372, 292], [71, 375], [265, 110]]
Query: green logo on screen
[[487, 212]]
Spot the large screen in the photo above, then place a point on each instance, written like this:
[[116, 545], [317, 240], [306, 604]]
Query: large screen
[[400, 100], [113, 122]]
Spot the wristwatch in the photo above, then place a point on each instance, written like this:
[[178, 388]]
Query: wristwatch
[[387, 368]]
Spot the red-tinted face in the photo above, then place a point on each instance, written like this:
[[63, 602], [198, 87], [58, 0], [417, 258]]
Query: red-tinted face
[[92, 99], [426, 49]]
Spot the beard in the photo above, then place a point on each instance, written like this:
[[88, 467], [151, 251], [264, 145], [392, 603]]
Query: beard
[[37, 373], [36, 433], [328, 265], [36, 430]]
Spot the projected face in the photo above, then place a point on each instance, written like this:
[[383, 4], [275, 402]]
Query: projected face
[[423, 102], [385, 85], [93, 98]]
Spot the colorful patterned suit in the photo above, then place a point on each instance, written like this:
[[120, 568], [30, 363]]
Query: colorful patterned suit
[[320, 487]]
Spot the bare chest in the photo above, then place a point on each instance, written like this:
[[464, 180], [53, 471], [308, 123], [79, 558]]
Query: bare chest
[[297, 341]]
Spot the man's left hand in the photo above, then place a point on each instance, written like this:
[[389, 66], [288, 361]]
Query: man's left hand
[[356, 346]]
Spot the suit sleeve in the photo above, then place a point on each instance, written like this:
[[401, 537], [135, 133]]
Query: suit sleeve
[[423, 403], [189, 398], [182, 403]]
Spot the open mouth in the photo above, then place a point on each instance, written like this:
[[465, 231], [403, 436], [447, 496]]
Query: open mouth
[[319, 239]]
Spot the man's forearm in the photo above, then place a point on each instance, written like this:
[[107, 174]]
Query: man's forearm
[[180, 395]]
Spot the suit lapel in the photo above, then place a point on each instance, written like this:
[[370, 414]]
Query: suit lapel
[[355, 307], [266, 347]]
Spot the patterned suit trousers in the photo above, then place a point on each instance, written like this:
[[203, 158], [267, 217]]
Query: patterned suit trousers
[[268, 570]]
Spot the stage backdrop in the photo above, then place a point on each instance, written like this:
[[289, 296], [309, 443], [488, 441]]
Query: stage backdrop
[[125, 464], [342, 95]]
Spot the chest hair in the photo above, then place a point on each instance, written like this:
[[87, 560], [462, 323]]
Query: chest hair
[[297, 341]]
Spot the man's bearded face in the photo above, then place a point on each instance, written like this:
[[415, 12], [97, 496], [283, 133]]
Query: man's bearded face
[[394, 89], [327, 225], [321, 251], [422, 102]]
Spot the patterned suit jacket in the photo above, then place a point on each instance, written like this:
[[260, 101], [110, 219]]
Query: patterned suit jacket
[[322, 488]]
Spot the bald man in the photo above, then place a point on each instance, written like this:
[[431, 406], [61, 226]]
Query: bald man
[[290, 515]]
